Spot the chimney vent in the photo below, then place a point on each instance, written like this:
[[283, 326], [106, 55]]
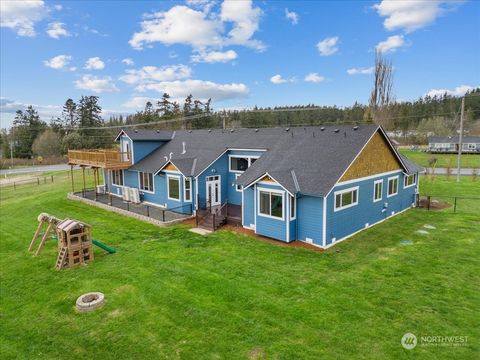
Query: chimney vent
[[183, 145]]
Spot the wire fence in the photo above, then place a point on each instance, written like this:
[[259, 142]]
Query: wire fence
[[453, 204], [39, 180]]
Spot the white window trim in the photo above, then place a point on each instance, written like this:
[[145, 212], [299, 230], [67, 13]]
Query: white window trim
[[335, 208], [277, 192], [236, 186], [388, 185], [153, 183], [185, 189], [375, 192], [249, 160], [123, 179], [405, 181], [168, 187], [294, 200]]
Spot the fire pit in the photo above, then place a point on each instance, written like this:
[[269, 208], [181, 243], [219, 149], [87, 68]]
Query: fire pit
[[90, 301]]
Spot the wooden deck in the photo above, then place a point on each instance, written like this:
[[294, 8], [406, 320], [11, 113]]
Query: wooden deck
[[100, 158]]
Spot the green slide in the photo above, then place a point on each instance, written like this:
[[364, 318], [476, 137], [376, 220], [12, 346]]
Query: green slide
[[104, 247]]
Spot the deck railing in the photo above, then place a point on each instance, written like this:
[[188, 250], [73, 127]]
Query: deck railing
[[109, 159]]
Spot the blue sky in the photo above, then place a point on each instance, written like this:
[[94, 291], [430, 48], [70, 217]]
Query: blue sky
[[240, 53]]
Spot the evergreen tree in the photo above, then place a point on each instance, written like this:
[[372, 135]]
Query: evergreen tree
[[26, 127]]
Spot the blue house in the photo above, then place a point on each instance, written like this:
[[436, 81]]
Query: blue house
[[315, 184]]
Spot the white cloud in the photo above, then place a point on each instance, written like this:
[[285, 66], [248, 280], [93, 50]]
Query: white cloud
[[360, 71], [96, 84], [200, 89], [200, 28], [314, 77], [8, 107], [458, 91], [138, 102], [58, 62], [21, 16], [94, 63], [328, 46], [215, 56], [291, 16], [152, 74], [278, 79], [58, 7], [392, 44], [128, 61], [412, 15], [55, 30]]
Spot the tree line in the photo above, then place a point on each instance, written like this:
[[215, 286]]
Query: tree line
[[82, 126]]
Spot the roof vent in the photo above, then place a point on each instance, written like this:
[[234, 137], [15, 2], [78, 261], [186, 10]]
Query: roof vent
[[158, 131], [287, 129], [256, 130], [322, 128], [344, 134], [190, 131], [184, 150], [232, 130], [355, 128], [336, 131], [209, 130], [135, 130]]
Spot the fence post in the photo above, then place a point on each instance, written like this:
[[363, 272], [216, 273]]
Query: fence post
[[44, 179], [428, 202], [38, 181], [455, 206], [51, 178], [213, 222], [14, 187]]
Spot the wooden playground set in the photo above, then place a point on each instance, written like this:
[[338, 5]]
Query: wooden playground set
[[75, 243]]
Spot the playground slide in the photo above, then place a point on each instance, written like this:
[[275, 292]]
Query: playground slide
[[104, 247]]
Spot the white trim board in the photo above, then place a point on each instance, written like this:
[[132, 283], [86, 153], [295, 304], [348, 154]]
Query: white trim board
[[368, 177], [262, 176], [374, 190], [388, 185], [277, 192], [344, 191], [179, 187]]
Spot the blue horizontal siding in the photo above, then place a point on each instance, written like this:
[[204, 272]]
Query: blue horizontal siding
[[310, 219], [347, 221], [248, 207], [271, 227]]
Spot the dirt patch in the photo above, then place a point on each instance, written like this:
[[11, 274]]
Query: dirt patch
[[256, 354], [434, 204]]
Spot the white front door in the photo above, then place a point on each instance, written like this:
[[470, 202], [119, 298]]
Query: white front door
[[213, 190]]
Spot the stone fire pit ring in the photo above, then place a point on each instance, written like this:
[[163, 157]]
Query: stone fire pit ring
[[90, 301]]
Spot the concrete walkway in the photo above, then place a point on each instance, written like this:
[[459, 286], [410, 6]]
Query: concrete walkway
[[33, 169]]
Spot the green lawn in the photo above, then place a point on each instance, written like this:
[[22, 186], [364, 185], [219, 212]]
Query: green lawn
[[177, 295], [423, 158]]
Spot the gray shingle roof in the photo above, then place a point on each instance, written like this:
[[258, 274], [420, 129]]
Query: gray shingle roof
[[411, 166], [307, 160], [147, 134], [453, 139]]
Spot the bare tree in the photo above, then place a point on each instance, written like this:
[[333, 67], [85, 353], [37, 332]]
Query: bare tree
[[382, 96]]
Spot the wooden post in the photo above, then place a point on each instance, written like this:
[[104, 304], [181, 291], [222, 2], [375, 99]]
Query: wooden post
[[455, 206], [51, 177], [44, 238], [71, 175], [84, 191], [35, 236], [38, 181], [428, 202], [95, 181], [108, 187]]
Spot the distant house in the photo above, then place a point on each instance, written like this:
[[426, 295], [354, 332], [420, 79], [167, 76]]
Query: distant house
[[450, 144], [315, 184]]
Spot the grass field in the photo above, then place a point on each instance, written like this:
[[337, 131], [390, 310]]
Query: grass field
[[172, 294], [423, 158]]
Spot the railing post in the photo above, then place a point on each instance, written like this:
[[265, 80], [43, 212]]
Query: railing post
[[455, 206]]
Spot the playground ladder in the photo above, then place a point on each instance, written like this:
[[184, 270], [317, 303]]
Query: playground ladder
[[61, 258]]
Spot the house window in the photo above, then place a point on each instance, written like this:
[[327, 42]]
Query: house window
[[271, 204], [117, 177], [238, 164], [392, 186], [173, 184], [237, 187], [409, 180], [471, 146], [377, 190], [146, 181], [292, 207], [346, 198], [187, 188]]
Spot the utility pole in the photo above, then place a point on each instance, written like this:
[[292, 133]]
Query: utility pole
[[460, 140]]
